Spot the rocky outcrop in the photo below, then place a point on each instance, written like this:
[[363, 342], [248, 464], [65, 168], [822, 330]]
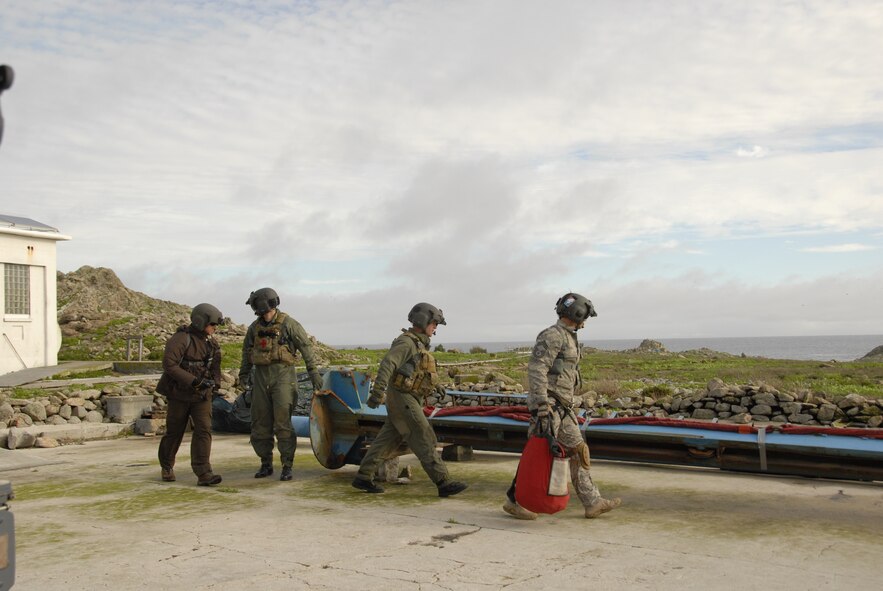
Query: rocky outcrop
[[650, 346], [875, 354], [97, 313]]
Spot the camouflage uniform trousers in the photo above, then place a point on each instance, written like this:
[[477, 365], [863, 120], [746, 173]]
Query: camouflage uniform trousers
[[566, 430], [274, 395], [406, 423]]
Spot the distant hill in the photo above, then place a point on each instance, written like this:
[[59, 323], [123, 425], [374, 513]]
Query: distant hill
[[876, 354], [96, 313]]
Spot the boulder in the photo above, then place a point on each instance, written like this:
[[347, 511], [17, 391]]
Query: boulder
[[826, 413], [46, 442], [767, 398], [94, 416], [6, 412], [19, 439], [35, 410]]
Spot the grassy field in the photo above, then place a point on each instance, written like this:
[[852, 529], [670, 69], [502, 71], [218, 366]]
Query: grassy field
[[610, 372]]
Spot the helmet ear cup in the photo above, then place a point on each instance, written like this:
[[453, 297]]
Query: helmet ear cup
[[575, 307], [263, 300], [422, 314], [204, 314]]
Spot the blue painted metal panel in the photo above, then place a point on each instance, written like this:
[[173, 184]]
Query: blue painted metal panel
[[349, 417]]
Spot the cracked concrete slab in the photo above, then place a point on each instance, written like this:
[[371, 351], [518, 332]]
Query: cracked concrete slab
[[97, 516]]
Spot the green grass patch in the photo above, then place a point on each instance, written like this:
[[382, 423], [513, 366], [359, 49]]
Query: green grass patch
[[26, 393], [613, 373], [91, 373]]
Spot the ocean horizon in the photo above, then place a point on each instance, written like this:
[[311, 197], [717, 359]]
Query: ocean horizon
[[816, 347]]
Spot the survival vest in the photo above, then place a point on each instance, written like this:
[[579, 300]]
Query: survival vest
[[271, 345], [418, 375]]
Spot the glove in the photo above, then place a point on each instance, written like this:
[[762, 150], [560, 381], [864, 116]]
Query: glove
[[316, 380], [203, 384], [245, 381], [544, 423], [375, 399]]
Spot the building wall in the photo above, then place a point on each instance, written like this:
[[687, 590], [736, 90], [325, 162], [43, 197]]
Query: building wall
[[31, 340]]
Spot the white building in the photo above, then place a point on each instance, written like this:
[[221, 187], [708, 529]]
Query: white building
[[29, 333]]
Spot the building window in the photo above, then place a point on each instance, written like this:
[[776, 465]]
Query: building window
[[17, 288]]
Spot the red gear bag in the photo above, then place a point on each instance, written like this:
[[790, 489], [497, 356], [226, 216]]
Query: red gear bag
[[535, 476]]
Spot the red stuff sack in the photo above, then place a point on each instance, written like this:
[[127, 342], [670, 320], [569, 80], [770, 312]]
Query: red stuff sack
[[542, 477]]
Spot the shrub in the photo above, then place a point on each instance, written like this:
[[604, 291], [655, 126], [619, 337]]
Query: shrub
[[657, 391]]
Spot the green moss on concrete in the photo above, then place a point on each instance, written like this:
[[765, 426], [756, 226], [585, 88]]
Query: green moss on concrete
[[29, 537], [55, 490], [162, 501]]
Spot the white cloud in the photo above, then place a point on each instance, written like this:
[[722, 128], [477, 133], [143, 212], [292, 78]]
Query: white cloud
[[839, 248], [753, 152], [450, 151], [329, 281]]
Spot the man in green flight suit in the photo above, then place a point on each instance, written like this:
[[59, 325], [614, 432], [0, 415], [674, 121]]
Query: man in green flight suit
[[270, 347], [406, 375]]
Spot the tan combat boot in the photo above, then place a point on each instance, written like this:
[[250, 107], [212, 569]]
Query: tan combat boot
[[517, 511], [602, 506], [209, 479]]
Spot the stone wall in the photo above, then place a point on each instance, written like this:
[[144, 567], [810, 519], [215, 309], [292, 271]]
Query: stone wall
[[717, 401], [73, 405]]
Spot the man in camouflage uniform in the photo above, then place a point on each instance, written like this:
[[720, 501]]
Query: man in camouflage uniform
[[553, 376], [191, 376], [270, 347], [406, 375]]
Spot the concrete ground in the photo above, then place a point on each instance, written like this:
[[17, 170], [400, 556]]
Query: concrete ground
[[96, 516]]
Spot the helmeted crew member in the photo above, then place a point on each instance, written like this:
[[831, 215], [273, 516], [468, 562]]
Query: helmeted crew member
[[191, 376], [553, 377], [406, 375], [270, 347]]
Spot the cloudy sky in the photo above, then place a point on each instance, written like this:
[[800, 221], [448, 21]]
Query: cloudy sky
[[697, 168]]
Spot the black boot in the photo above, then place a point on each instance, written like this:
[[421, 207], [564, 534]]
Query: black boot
[[450, 488], [286, 473], [266, 470], [367, 485]]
